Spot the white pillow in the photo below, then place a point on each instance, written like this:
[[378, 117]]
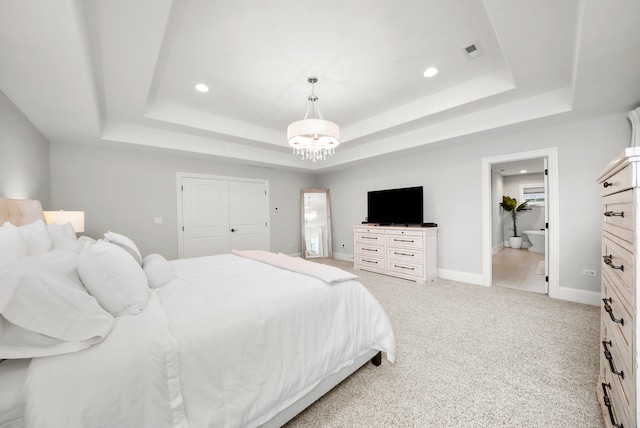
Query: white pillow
[[125, 243], [59, 232], [12, 245], [112, 276], [45, 310], [55, 233], [36, 235], [68, 232], [157, 269]]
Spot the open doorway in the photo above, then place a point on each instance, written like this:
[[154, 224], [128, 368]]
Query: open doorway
[[495, 231], [519, 244]]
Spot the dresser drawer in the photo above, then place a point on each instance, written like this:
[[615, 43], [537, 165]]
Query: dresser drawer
[[366, 250], [370, 238], [410, 239], [617, 210], [406, 268], [618, 324], [619, 268], [621, 180], [619, 375], [368, 262], [405, 254], [611, 404], [365, 229], [617, 290]]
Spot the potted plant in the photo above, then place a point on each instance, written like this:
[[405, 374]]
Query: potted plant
[[511, 205]]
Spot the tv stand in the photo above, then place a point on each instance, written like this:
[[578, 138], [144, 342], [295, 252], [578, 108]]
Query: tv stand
[[408, 252]]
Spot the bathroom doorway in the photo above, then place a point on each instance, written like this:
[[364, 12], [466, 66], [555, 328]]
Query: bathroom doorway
[[527, 176]]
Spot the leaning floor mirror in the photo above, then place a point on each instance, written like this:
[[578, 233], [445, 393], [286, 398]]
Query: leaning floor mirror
[[316, 223]]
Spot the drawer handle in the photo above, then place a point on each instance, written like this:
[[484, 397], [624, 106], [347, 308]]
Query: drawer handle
[[608, 356], [369, 249], [370, 261], [608, 260], [404, 267], [403, 240], [607, 184], [369, 237], [403, 254], [614, 214], [607, 402], [609, 310]]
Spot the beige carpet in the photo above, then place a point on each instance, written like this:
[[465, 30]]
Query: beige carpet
[[471, 356]]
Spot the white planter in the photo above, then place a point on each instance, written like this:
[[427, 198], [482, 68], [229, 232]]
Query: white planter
[[515, 241]]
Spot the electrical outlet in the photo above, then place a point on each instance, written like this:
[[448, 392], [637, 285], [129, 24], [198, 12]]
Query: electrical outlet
[[588, 272]]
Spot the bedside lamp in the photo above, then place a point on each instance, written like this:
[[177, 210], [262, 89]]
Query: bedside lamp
[[76, 218]]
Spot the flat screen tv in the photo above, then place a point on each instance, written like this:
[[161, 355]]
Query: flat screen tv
[[395, 206]]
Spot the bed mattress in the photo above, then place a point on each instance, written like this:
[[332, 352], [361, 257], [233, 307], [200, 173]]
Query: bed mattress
[[13, 374]]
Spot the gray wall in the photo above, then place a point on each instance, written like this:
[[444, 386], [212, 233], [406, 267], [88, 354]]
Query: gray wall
[[24, 156], [452, 180], [123, 189]]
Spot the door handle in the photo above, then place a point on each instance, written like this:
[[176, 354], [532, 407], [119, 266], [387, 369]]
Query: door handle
[[234, 230]]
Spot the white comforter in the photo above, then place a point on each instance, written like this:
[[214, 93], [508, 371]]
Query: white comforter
[[228, 343]]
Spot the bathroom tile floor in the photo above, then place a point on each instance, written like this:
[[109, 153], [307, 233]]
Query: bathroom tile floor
[[519, 268]]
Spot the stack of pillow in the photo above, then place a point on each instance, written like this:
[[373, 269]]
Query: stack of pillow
[[59, 294], [114, 272], [31, 239]]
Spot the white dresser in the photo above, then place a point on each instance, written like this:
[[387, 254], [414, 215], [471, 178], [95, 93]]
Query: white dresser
[[403, 252], [618, 382]]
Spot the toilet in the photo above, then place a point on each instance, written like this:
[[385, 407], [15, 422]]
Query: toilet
[[536, 237]]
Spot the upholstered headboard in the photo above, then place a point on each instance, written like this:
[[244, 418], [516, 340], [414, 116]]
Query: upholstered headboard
[[20, 211]]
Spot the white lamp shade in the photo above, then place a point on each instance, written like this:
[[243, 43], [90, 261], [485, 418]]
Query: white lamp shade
[[76, 218], [309, 132]]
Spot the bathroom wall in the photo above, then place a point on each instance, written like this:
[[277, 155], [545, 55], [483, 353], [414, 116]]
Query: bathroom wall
[[530, 219]]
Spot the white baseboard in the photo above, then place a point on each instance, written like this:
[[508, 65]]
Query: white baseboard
[[343, 256], [575, 295], [562, 293], [470, 278]]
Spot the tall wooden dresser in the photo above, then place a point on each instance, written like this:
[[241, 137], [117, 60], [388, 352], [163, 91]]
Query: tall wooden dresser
[[618, 382]]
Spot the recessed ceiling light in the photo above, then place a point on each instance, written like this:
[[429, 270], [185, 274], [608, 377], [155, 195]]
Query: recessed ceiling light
[[522, 171], [430, 72], [201, 87]]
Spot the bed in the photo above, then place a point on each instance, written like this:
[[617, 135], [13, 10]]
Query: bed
[[236, 340]]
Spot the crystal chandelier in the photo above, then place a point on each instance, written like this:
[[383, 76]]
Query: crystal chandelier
[[313, 138]]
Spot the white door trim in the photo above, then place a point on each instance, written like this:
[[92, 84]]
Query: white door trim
[[552, 200], [181, 175]]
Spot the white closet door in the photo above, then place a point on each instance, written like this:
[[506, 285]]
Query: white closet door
[[247, 212], [205, 214]]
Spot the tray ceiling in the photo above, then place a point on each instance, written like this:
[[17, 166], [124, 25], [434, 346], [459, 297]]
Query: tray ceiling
[[123, 72]]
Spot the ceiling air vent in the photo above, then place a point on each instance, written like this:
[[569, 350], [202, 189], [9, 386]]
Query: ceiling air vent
[[472, 51]]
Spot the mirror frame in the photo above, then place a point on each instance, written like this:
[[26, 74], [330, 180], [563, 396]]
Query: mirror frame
[[303, 239]]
